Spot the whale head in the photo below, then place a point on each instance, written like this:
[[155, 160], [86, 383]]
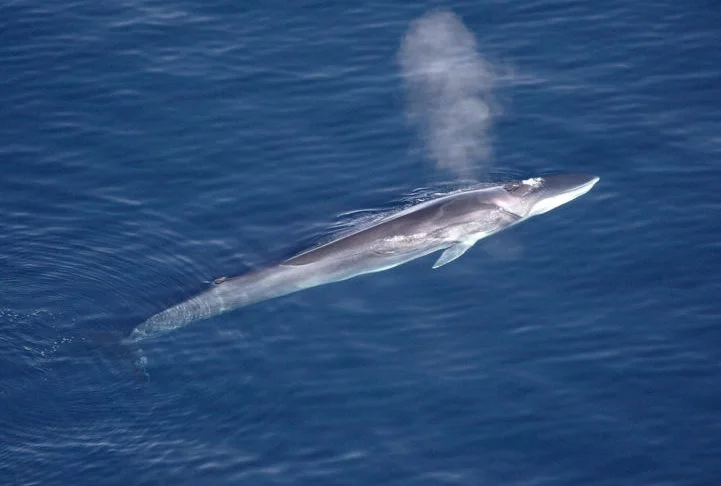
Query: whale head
[[538, 195]]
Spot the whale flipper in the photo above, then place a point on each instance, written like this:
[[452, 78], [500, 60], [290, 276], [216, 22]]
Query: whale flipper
[[452, 253]]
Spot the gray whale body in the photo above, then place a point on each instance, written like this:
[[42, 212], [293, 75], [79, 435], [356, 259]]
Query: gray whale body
[[452, 223]]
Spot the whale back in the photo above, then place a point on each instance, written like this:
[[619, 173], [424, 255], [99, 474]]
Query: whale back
[[420, 220]]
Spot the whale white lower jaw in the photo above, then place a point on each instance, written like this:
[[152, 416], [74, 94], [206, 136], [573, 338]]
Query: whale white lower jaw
[[545, 205]]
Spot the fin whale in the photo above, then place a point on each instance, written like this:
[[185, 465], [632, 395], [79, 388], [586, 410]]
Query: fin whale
[[451, 223]]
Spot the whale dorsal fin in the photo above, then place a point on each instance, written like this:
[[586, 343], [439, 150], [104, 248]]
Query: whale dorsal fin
[[453, 252]]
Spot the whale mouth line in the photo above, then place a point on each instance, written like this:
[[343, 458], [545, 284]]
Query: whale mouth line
[[510, 213]]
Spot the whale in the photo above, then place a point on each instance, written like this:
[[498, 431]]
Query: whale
[[450, 224]]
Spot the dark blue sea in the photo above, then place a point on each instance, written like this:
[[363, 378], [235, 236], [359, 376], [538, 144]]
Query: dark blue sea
[[149, 147]]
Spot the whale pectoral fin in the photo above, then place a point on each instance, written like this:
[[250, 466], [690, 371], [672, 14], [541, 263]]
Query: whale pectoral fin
[[452, 253]]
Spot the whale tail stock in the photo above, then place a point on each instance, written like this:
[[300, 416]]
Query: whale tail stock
[[137, 357], [115, 345]]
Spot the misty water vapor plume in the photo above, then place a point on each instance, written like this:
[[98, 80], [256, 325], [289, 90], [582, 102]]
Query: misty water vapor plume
[[449, 90]]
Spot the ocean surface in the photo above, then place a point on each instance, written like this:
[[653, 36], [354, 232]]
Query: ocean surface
[[149, 147]]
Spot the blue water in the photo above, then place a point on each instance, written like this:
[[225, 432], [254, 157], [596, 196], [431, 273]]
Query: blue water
[[148, 147]]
